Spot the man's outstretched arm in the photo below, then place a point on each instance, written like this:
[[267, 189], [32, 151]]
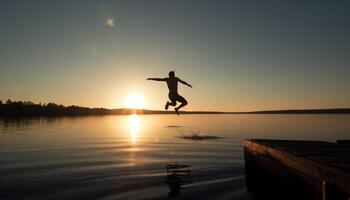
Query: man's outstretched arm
[[156, 79], [184, 82]]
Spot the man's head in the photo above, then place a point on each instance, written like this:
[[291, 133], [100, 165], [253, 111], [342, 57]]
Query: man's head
[[171, 74]]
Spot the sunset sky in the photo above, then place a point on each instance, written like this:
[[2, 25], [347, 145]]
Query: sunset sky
[[238, 55]]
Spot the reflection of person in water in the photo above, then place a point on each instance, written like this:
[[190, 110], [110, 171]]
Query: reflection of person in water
[[173, 94]]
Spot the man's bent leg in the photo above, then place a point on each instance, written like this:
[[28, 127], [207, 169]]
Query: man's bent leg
[[168, 103], [183, 103], [172, 98]]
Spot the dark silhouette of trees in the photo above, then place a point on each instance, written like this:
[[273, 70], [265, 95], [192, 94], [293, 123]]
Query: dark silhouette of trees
[[28, 109]]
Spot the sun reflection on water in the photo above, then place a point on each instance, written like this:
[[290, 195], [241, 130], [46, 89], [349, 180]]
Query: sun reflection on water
[[134, 126]]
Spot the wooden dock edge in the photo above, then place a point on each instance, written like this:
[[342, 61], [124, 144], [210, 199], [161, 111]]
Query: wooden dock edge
[[271, 164]]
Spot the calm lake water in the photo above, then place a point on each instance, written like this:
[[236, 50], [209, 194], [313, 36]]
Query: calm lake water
[[125, 157]]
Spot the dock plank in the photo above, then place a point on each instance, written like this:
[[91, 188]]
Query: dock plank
[[323, 161]]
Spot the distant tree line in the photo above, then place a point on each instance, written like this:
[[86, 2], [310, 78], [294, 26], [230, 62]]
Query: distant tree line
[[28, 109]]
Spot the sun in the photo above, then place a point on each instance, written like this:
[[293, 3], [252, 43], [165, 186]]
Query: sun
[[134, 100]]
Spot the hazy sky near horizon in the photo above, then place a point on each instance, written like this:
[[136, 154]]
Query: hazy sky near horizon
[[238, 55]]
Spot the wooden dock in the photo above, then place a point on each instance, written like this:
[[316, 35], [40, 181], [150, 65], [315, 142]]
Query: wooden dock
[[286, 169]]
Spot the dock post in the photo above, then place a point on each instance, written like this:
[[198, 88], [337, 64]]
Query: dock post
[[331, 192]]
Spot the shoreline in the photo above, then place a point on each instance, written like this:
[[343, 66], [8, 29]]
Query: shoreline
[[29, 109]]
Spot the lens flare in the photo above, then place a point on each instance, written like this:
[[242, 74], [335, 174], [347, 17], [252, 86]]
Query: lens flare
[[109, 22]]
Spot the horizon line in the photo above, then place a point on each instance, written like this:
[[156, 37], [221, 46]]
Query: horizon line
[[289, 110]]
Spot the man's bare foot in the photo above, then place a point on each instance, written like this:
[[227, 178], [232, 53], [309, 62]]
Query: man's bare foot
[[167, 105], [177, 111]]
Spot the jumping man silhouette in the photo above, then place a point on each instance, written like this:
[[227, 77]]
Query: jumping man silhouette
[[173, 94]]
